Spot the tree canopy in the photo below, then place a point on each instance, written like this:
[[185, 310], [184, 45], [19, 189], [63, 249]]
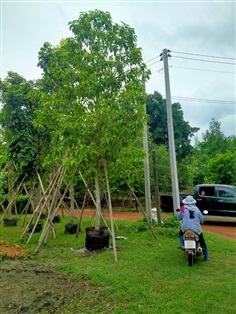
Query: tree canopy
[[16, 119], [93, 94], [93, 98], [214, 159], [156, 109]]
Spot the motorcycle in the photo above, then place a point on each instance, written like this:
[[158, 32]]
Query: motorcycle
[[191, 246]]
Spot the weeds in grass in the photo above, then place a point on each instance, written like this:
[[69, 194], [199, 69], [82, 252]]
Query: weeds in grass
[[169, 227]]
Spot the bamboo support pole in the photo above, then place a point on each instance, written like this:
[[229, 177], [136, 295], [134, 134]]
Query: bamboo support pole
[[38, 210], [90, 193], [43, 238], [25, 210], [82, 211], [13, 198], [34, 227], [6, 197], [39, 207]]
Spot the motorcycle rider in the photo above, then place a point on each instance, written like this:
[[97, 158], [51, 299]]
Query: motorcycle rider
[[192, 218]]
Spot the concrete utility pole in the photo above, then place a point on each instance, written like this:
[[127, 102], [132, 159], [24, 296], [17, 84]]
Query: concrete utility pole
[[174, 175], [146, 168]]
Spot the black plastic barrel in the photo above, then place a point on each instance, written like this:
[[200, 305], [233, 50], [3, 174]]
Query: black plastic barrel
[[97, 239], [10, 222], [71, 228], [38, 227], [56, 219]]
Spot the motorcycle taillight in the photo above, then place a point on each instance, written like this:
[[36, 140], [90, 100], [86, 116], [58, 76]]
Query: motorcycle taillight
[[190, 235]]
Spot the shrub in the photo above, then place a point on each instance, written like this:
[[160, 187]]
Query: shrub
[[170, 227]]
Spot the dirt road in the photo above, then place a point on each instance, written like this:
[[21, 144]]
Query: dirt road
[[227, 230]]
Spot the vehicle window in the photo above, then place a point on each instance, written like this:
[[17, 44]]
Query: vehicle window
[[226, 192], [207, 191]]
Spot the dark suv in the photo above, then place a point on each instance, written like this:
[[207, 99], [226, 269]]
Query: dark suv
[[216, 201]]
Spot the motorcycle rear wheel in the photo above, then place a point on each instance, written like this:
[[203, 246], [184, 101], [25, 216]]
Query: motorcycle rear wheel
[[190, 259]]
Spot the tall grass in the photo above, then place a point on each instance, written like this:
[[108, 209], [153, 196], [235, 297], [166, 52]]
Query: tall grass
[[151, 276]]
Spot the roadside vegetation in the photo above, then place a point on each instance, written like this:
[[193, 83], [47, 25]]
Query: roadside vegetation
[[150, 276]]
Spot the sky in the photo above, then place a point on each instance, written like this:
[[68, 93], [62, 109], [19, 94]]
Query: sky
[[201, 36]]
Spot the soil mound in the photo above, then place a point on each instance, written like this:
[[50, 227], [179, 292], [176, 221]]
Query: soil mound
[[11, 250]]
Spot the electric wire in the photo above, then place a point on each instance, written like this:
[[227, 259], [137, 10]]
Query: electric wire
[[149, 65], [205, 100], [200, 55], [194, 59], [171, 66], [191, 99], [186, 58], [153, 59]]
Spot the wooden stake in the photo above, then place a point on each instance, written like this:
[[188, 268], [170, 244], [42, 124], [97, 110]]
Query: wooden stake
[[15, 194], [51, 213], [42, 202]]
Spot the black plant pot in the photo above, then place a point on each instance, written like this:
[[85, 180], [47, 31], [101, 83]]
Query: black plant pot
[[56, 219], [38, 228], [97, 239], [71, 228], [10, 222]]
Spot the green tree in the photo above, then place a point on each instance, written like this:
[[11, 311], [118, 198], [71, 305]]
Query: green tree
[[21, 139], [164, 173], [221, 169], [163, 167], [93, 96], [213, 160], [156, 109], [16, 119], [213, 140]]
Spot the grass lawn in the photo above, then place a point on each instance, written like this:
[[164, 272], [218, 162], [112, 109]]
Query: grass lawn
[[151, 275]]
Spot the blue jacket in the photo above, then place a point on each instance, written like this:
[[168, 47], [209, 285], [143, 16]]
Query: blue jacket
[[187, 222]]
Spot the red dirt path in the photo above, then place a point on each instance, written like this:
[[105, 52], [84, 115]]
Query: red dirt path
[[222, 229]]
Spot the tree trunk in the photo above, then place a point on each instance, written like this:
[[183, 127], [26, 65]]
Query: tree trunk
[[110, 209], [72, 203], [157, 194], [98, 202], [10, 189]]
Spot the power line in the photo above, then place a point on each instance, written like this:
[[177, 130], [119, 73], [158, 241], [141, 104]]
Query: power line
[[149, 65], [203, 60], [153, 59], [201, 69], [159, 71], [200, 55], [194, 54], [216, 101]]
